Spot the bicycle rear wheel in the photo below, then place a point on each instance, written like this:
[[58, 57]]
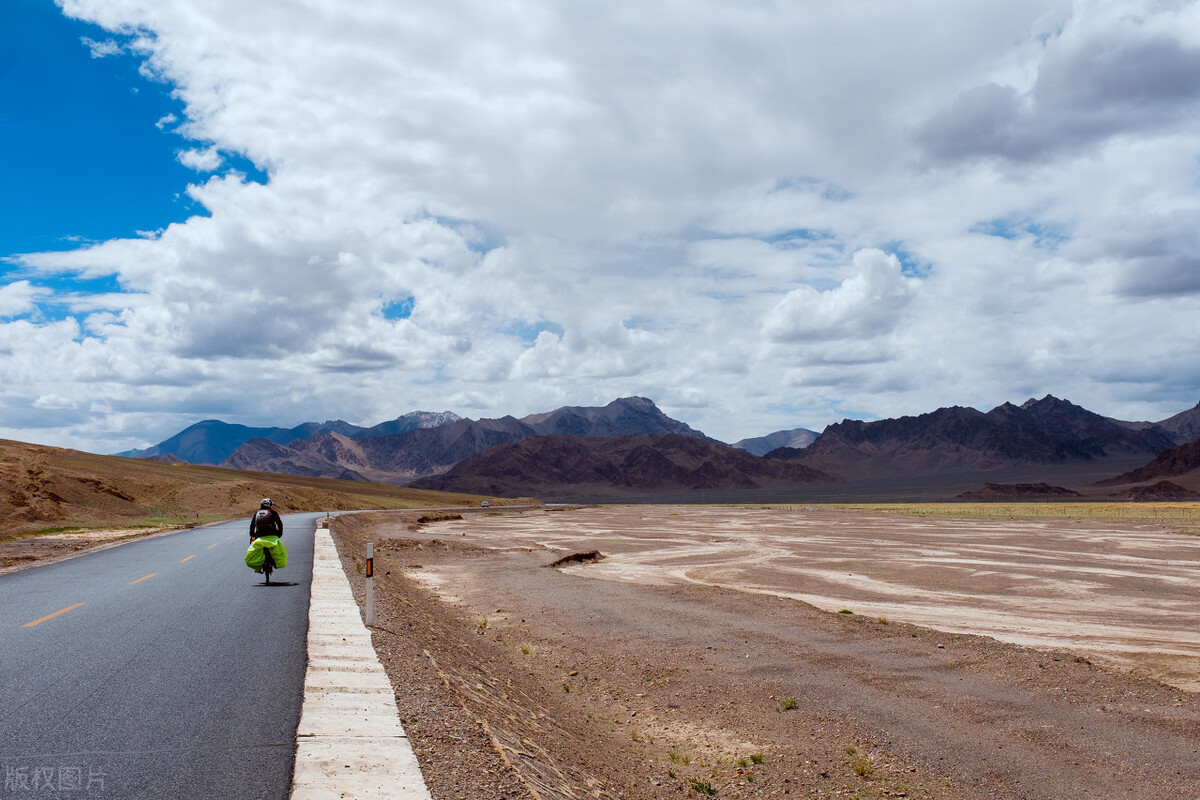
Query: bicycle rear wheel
[[268, 565]]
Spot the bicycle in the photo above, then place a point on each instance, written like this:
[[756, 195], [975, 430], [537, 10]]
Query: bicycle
[[265, 555]]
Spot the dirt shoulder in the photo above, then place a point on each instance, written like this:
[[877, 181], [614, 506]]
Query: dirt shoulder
[[518, 680], [22, 552]]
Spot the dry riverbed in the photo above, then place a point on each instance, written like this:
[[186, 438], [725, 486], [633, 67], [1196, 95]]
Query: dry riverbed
[[703, 654]]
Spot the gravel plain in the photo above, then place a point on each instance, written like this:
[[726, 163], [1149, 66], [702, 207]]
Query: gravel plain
[[788, 652]]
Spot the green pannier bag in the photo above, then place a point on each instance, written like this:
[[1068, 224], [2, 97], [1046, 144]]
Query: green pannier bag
[[256, 555]]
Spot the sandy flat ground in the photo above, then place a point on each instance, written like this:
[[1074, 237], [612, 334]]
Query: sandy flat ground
[[982, 658], [1124, 594]]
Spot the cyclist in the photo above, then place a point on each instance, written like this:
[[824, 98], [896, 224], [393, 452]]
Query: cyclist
[[266, 521]]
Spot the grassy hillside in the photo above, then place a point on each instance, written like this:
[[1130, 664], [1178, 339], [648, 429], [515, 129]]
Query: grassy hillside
[[45, 489]]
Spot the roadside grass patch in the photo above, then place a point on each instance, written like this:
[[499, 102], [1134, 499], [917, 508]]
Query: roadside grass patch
[[676, 756], [863, 765], [59, 529], [1183, 514]]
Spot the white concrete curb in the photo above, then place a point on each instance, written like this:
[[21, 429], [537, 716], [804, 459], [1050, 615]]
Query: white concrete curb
[[350, 743]]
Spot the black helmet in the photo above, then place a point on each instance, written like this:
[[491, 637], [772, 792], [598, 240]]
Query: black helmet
[[266, 503]]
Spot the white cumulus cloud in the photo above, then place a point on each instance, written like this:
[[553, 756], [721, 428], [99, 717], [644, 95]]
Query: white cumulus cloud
[[868, 304], [18, 298], [763, 216], [206, 160], [108, 47]]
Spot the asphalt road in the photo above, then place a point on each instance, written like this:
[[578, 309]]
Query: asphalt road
[[170, 670]]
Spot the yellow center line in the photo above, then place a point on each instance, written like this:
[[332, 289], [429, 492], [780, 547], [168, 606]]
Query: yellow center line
[[185, 560], [229, 538], [214, 544], [143, 578], [40, 620]]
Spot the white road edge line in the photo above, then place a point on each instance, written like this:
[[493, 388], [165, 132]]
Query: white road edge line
[[349, 743]]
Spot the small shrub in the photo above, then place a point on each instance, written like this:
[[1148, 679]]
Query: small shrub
[[757, 758], [679, 757], [702, 787], [526, 648], [882, 620], [788, 704], [845, 611], [863, 766]]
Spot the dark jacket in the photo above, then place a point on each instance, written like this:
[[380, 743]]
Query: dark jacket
[[265, 522]]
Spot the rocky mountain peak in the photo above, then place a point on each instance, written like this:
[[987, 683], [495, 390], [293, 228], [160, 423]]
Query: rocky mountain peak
[[1054, 405]]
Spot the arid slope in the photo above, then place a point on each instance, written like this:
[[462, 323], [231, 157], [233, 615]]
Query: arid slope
[[53, 488]]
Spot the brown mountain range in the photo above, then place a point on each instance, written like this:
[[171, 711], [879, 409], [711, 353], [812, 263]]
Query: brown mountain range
[[400, 458], [1184, 426], [1181, 463], [574, 466], [385, 459], [1042, 432], [942, 453], [1155, 492]]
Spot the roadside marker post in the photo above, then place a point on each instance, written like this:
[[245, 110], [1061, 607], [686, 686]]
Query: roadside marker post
[[370, 584]]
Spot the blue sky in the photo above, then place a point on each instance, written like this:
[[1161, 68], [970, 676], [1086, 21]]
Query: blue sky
[[85, 160], [762, 216]]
